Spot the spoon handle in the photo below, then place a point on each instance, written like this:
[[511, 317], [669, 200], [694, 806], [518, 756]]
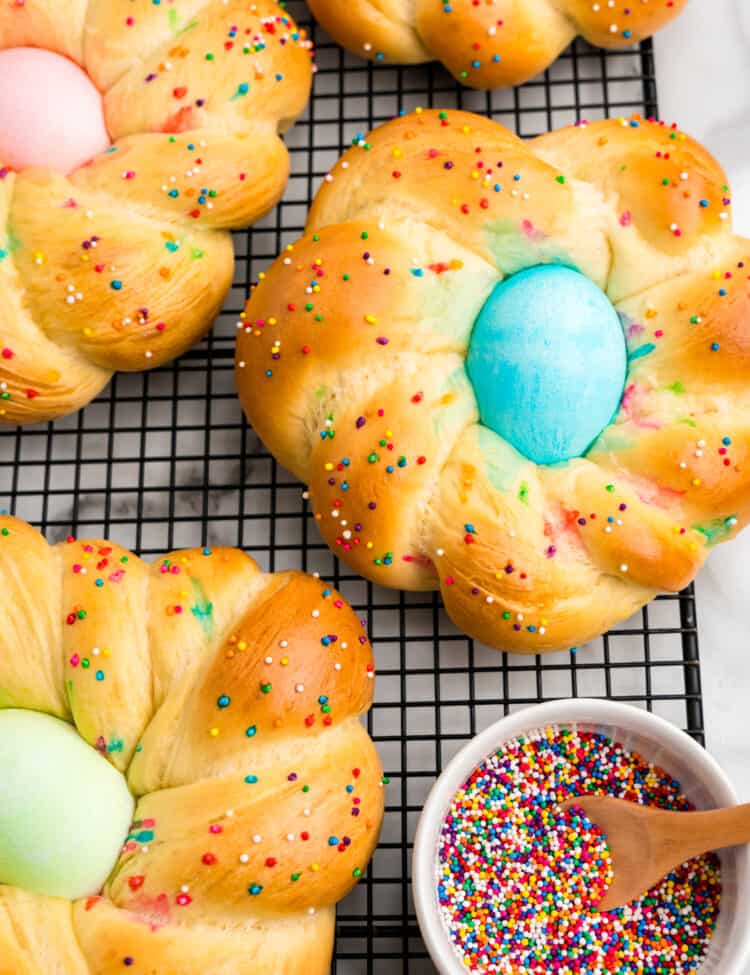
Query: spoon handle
[[731, 826], [714, 830]]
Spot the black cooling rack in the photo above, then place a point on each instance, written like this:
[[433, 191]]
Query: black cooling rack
[[165, 460]]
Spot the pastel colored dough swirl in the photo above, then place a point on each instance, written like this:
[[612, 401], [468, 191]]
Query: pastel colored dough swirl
[[351, 367], [231, 699], [487, 43], [125, 263]]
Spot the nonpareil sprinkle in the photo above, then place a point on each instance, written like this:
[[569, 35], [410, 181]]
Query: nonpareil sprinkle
[[518, 879]]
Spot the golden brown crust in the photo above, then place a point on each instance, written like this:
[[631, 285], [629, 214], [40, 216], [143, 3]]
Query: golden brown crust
[[45, 23], [194, 118], [228, 161], [32, 622], [293, 828], [497, 44], [274, 690], [230, 89], [457, 173], [654, 177], [110, 50], [296, 945], [107, 683], [233, 700], [410, 427], [623, 24], [489, 44], [347, 327], [383, 30], [37, 937], [404, 483], [182, 631], [107, 322]]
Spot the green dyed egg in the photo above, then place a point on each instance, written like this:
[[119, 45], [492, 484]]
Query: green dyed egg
[[64, 810]]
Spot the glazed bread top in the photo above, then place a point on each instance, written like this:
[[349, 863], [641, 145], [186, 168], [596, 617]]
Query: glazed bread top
[[492, 43]]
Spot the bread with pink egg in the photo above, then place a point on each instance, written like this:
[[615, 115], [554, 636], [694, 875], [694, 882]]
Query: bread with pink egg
[[133, 138]]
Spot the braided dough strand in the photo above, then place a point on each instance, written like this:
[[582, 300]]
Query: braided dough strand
[[37, 935], [94, 299], [113, 45], [264, 75], [487, 43], [50, 24]]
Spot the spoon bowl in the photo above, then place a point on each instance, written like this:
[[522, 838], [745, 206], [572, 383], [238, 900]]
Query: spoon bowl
[[647, 843]]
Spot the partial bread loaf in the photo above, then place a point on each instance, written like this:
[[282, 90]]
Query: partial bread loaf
[[487, 43], [231, 698], [125, 263], [351, 368]]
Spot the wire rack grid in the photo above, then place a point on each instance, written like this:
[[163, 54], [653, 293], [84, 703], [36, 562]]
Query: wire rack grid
[[165, 459]]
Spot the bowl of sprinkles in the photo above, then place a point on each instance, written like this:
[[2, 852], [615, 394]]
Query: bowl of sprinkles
[[506, 883]]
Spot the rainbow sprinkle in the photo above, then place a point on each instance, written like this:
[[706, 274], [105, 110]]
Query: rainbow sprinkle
[[518, 879]]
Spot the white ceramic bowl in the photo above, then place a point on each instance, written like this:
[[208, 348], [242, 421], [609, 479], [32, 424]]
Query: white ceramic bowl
[[703, 782]]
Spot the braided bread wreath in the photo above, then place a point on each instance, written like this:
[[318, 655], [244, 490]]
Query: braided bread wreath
[[352, 367], [487, 43], [124, 263], [230, 698]]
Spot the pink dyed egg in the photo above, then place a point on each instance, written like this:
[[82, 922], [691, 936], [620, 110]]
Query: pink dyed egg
[[51, 113]]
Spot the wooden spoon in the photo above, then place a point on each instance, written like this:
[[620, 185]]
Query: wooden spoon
[[647, 843]]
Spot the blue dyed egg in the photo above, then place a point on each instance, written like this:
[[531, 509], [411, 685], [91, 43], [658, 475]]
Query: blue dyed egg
[[548, 362]]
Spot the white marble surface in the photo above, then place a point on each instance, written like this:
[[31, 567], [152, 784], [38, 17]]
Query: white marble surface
[[703, 71]]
